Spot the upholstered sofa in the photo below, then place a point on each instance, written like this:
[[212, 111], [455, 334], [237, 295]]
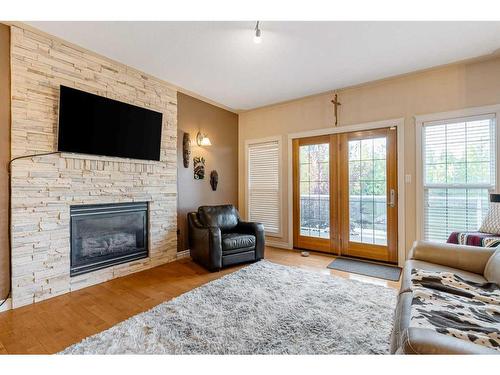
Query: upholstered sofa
[[218, 238], [475, 266]]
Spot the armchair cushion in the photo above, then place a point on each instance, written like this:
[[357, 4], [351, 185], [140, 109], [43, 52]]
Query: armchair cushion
[[257, 230], [233, 241], [225, 217]]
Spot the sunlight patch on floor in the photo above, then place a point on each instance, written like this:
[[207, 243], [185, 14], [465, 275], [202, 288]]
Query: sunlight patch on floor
[[369, 280]]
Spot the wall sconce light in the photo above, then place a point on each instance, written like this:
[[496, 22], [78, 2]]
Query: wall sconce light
[[203, 140]]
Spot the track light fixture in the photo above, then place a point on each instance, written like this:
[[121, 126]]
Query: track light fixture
[[257, 38]]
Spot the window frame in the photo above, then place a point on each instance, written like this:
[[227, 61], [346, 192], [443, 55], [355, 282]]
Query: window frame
[[441, 118], [248, 144]]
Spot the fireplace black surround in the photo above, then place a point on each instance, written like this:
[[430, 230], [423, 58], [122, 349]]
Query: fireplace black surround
[[107, 234]]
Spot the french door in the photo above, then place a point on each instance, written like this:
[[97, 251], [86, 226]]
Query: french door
[[315, 206], [345, 194]]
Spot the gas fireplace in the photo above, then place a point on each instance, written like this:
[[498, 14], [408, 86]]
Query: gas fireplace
[[107, 234]]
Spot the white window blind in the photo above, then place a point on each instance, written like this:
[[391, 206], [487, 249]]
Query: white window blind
[[458, 174], [264, 185]]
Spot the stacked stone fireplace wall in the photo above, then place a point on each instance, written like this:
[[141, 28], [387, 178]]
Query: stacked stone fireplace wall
[[44, 188]]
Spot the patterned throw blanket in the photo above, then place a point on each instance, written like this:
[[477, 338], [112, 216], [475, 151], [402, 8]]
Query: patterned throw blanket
[[474, 239], [448, 304]]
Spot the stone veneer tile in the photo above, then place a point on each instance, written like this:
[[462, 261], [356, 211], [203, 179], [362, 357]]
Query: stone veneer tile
[[44, 188]]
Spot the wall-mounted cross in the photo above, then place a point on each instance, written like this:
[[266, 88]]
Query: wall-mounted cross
[[336, 103]]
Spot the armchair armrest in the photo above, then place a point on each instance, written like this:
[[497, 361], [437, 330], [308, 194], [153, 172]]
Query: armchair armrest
[[205, 243], [257, 229], [466, 258], [249, 228]]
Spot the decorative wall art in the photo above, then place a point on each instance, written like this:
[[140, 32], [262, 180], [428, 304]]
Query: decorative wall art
[[186, 149], [199, 167], [214, 180]]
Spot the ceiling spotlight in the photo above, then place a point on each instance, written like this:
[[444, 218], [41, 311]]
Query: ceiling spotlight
[[257, 38]]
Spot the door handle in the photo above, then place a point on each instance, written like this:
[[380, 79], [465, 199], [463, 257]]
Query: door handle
[[392, 198]]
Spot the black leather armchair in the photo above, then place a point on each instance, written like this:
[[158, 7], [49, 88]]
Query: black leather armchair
[[218, 238]]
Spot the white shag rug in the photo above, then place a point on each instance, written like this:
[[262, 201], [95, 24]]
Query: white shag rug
[[265, 308]]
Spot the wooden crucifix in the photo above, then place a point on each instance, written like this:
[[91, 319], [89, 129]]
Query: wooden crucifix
[[336, 103]]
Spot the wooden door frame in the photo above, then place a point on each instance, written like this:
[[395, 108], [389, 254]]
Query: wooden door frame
[[399, 123], [359, 249]]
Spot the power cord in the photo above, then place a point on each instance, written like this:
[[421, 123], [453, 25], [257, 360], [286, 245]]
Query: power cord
[[9, 214]]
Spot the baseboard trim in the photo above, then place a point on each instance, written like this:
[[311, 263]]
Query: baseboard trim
[[183, 254], [7, 305], [281, 245]]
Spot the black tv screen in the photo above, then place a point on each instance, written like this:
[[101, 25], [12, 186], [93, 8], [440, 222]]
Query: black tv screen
[[92, 124]]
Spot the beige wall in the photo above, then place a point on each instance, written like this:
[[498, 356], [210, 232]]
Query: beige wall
[[221, 126], [443, 89], [4, 156]]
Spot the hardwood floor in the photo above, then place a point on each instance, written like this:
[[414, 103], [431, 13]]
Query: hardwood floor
[[52, 325]]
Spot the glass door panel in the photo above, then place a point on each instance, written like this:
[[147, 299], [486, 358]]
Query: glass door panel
[[313, 218], [368, 175], [367, 191], [314, 190]]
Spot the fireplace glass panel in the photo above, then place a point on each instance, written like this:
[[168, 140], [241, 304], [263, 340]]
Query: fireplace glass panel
[[104, 235]]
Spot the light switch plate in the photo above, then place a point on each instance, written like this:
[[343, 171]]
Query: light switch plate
[[408, 178]]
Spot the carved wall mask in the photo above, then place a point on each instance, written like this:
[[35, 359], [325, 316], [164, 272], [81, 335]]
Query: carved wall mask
[[214, 180], [186, 149]]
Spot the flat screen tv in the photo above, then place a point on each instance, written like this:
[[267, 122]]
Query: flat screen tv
[[92, 124]]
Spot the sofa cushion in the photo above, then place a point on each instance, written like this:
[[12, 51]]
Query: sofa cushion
[[426, 341], [413, 340], [419, 264], [452, 306], [467, 258], [492, 269], [233, 241], [225, 217]]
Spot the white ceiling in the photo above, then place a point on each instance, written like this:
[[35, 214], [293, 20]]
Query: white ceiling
[[220, 61]]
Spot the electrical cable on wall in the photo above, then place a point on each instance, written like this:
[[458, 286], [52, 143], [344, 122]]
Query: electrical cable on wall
[[9, 214]]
